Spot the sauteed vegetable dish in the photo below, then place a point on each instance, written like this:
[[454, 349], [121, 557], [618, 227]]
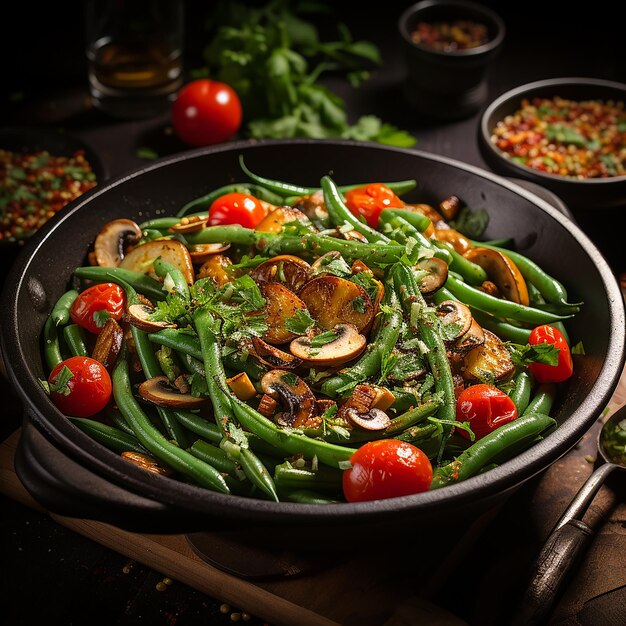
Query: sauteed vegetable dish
[[310, 345]]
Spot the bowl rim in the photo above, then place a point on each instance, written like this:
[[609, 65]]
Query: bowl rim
[[485, 48], [170, 491], [525, 90]]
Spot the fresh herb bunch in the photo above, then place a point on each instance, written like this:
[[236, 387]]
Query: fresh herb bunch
[[263, 53]]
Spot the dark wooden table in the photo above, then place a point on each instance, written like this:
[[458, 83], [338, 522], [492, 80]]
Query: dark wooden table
[[52, 573]]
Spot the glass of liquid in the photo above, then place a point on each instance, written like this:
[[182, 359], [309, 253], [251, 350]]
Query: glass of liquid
[[135, 55]]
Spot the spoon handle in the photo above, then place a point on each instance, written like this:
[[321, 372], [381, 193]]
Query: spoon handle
[[559, 554]]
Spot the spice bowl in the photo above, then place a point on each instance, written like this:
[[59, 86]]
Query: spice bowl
[[566, 134], [448, 48]]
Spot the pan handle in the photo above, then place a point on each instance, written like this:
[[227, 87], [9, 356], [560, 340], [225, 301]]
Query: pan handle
[[67, 488]]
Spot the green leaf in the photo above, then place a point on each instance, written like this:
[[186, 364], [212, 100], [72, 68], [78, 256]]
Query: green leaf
[[471, 223], [300, 322], [578, 348], [198, 385], [358, 304], [323, 338], [336, 266], [545, 353], [290, 379], [60, 385], [100, 318]]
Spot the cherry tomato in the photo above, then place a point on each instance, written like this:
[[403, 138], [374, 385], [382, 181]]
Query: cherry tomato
[[206, 112], [236, 208], [542, 372], [386, 468], [95, 305], [87, 392], [485, 408], [368, 201]]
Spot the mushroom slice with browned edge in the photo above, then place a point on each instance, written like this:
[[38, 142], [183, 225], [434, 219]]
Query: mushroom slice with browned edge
[[289, 270], [294, 395], [436, 276], [275, 220], [360, 408], [281, 305], [108, 344], [331, 348], [141, 258], [111, 242], [216, 268], [139, 316], [188, 225], [271, 355], [490, 361], [473, 338], [502, 272], [159, 391], [455, 318], [201, 252], [332, 300]]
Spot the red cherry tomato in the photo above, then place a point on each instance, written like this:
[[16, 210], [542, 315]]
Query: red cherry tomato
[[236, 208], [386, 468], [87, 392], [206, 112], [95, 305], [485, 408], [542, 372], [368, 201]]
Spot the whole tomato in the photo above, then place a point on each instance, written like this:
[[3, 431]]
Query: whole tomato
[[386, 468], [485, 408], [94, 306], [236, 208], [543, 372], [84, 391], [368, 201], [206, 112]]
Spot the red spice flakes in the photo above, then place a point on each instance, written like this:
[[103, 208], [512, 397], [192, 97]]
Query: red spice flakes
[[582, 140], [34, 186], [450, 36]]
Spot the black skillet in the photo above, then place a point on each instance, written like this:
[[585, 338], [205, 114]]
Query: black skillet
[[71, 474]]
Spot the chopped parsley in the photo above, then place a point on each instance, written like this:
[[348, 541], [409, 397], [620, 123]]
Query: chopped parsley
[[60, 385]]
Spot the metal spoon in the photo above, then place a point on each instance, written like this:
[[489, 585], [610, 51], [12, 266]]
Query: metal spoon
[[568, 538]]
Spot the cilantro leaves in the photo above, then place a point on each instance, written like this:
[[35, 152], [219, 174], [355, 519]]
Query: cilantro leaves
[[545, 353]]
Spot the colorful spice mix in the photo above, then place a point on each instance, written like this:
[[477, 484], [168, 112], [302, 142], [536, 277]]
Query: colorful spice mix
[[34, 186], [450, 36], [585, 139]]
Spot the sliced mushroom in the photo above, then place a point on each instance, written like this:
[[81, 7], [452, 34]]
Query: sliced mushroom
[[147, 463], [360, 408], [201, 252], [349, 235], [490, 361], [242, 386], [188, 225], [473, 338], [294, 395], [501, 271], [281, 304], [272, 356], [453, 312], [450, 207], [321, 406], [159, 391], [109, 247], [286, 269], [458, 241], [312, 206], [332, 300], [490, 288], [108, 344], [216, 268], [346, 345], [374, 419], [141, 258], [275, 220], [139, 315], [437, 274]]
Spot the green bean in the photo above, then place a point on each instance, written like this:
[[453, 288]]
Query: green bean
[[141, 282], [497, 444], [472, 273], [426, 328], [340, 214], [534, 295], [504, 330], [179, 340], [61, 310], [252, 465], [411, 417], [522, 390], [51, 345], [417, 220], [542, 400], [159, 223], [551, 289], [153, 440], [500, 308], [150, 234], [288, 476], [304, 496], [110, 437], [560, 326], [75, 339], [179, 285], [382, 343], [215, 456], [441, 295], [112, 413], [427, 437]]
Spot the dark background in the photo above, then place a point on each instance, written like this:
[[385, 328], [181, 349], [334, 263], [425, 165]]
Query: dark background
[[50, 573]]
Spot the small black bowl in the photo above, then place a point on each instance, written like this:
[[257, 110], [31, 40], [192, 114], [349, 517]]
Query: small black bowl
[[578, 194], [56, 142], [448, 84]]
